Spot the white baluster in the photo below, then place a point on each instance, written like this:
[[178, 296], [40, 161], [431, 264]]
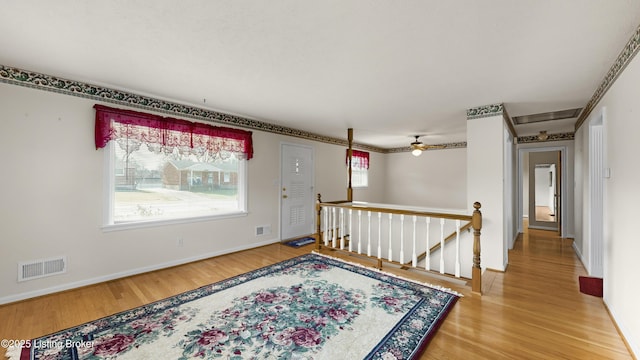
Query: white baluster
[[379, 235], [323, 221], [350, 232], [402, 238], [334, 235], [369, 234], [327, 233], [342, 229], [359, 231], [458, 248], [442, 246], [414, 257], [427, 262], [390, 240]]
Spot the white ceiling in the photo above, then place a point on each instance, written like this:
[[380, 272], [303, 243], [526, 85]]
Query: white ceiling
[[389, 69]]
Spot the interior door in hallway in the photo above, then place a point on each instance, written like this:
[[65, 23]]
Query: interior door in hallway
[[544, 190], [296, 195]]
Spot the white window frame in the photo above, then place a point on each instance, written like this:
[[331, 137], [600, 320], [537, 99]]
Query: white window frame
[[109, 194]]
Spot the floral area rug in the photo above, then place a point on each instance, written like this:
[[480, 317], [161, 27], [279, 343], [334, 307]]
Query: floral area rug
[[309, 307]]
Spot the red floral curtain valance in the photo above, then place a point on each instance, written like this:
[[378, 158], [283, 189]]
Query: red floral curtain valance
[[168, 134], [359, 159]]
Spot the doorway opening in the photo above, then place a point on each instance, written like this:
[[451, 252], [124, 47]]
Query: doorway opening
[[542, 188]]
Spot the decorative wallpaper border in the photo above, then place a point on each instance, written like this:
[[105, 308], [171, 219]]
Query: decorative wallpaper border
[[485, 111], [552, 137], [624, 58], [457, 145], [15, 76]]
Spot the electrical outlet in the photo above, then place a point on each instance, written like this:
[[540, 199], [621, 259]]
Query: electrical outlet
[[180, 242]]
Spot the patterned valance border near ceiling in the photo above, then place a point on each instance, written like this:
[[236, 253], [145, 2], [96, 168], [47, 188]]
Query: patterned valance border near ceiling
[[550, 137], [15, 76], [485, 111], [629, 51], [457, 145]]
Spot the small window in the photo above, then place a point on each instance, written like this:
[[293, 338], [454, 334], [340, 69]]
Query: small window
[[359, 168]]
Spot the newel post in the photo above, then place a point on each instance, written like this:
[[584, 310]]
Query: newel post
[[476, 274], [318, 217]]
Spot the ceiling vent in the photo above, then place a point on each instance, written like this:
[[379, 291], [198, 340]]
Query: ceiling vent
[[548, 116]]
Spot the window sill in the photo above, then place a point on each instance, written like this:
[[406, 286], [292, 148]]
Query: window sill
[[157, 223]]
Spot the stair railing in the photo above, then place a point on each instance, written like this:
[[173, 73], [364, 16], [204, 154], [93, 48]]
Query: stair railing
[[403, 236]]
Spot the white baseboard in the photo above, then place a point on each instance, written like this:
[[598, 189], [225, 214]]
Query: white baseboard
[[579, 253], [122, 274], [619, 322]]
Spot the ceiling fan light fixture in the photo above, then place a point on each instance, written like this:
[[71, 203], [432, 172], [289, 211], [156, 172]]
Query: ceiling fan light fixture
[[417, 146]]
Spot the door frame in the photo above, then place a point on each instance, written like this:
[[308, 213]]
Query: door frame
[[557, 199], [311, 205], [598, 173], [563, 186]]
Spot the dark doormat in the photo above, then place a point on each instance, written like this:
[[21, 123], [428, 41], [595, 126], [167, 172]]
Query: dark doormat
[[590, 285], [300, 242]]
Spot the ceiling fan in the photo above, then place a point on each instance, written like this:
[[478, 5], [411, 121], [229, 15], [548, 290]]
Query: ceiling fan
[[417, 147]]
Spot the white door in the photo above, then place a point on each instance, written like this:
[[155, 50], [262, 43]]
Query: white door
[[296, 192]]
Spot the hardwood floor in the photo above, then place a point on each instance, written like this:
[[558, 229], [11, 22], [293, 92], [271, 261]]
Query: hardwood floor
[[543, 213], [532, 311]]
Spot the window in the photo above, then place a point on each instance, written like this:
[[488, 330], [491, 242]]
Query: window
[[163, 169], [359, 168]]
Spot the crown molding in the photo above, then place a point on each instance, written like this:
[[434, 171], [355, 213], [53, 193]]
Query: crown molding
[[624, 58]]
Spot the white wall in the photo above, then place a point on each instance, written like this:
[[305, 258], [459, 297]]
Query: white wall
[[435, 179], [622, 196], [52, 198], [485, 166]]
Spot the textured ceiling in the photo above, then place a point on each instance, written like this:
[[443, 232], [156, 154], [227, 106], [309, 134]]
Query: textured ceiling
[[388, 69]]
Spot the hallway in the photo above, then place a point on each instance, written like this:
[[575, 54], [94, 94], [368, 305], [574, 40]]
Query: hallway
[[534, 310]]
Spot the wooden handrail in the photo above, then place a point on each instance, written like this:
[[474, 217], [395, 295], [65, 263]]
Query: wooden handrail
[[349, 205]]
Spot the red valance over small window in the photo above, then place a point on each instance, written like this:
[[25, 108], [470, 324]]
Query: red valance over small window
[[359, 159], [168, 134]]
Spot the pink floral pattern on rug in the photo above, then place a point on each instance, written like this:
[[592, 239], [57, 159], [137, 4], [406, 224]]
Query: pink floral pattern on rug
[[277, 322]]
